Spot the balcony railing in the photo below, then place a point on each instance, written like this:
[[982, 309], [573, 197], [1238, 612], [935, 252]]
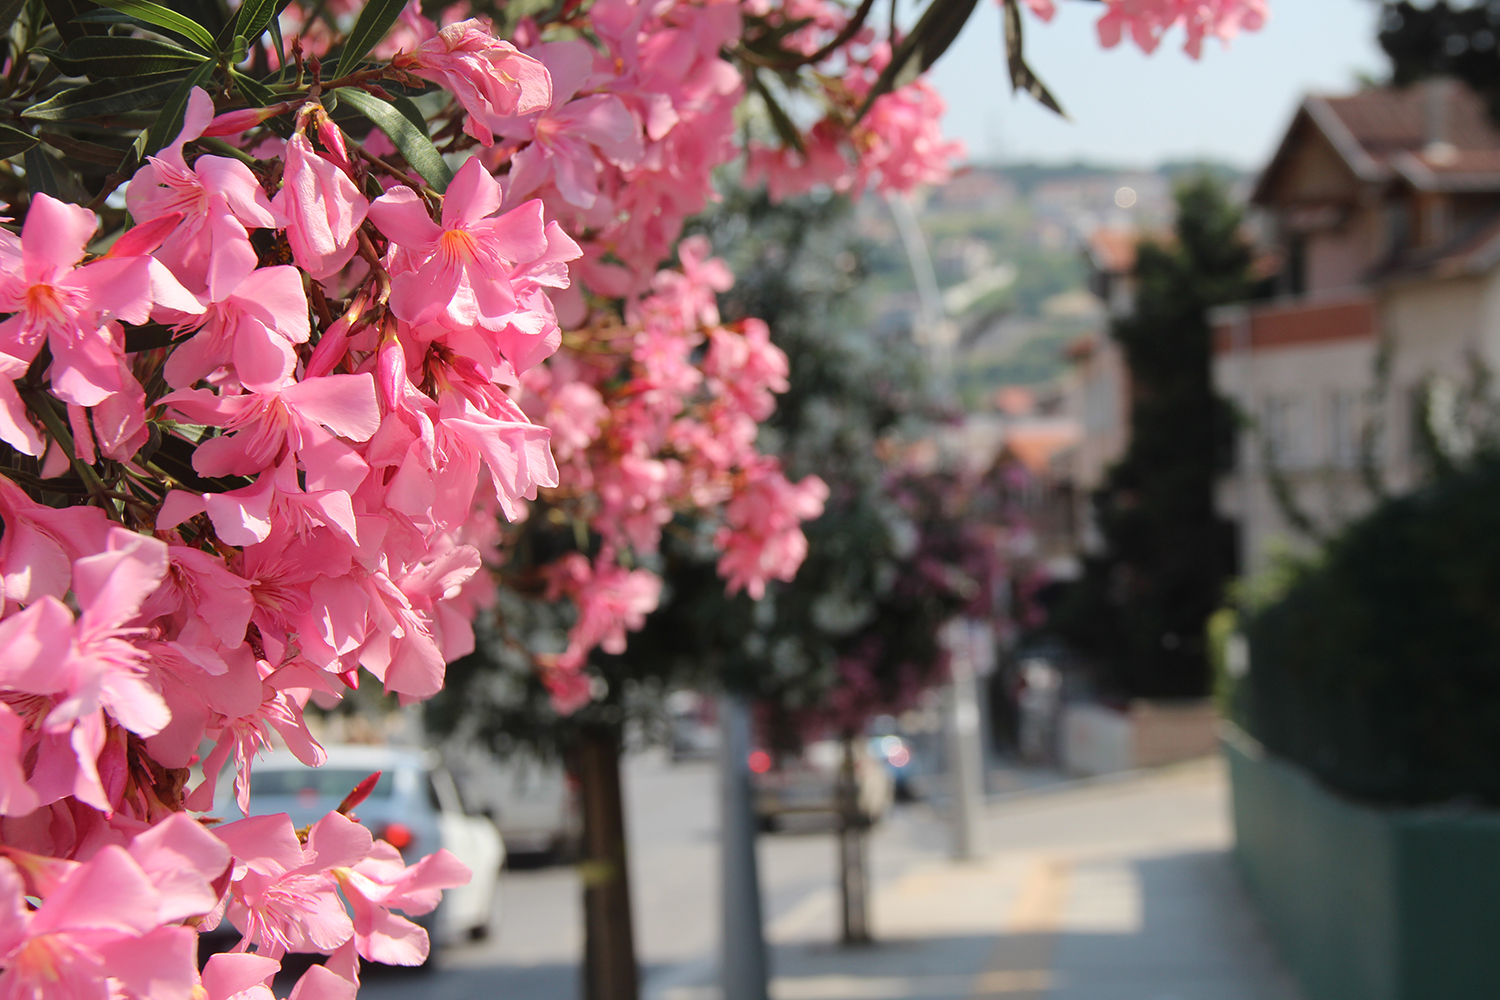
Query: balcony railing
[[1293, 322]]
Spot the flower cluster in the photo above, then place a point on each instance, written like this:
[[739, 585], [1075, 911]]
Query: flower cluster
[[897, 145], [661, 416], [1148, 21], [258, 433]]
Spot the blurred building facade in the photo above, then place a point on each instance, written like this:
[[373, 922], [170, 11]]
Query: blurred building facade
[[1383, 208]]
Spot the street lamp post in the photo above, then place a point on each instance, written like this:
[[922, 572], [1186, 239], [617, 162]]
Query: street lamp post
[[742, 968]]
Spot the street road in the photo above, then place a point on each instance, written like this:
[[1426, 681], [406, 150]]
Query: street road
[[672, 813]]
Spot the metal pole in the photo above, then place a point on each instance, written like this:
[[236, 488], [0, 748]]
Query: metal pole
[[742, 970], [934, 331], [965, 756]]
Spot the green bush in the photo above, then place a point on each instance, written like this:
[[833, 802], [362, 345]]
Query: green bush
[[1379, 667]]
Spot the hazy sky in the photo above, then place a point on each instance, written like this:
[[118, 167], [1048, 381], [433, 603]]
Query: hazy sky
[[1134, 109]]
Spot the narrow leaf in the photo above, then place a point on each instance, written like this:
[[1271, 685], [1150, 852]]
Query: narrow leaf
[[63, 14], [407, 137], [14, 142], [105, 56], [255, 15], [40, 177], [276, 40], [780, 120], [1021, 76], [78, 149], [107, 97], [161, 17], [9, 11], [374, 21], [253, 90], [935, 30]]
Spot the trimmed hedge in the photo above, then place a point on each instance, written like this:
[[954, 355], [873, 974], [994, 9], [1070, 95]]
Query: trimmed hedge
[[1379, 668]]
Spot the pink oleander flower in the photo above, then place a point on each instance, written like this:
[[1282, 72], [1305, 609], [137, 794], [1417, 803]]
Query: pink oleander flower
[[381, 882], [1147, 21], [40, 544], [217, 201], [238, 976], [491, 78], [1044, 9], [457, 274], [762, 538], [571, 141], [900, 141], [788, 173], [87, 668], [320, 208], [250, 324], [610, 600], [298, 418], [747, 367], [101, 927], [98, 934], [72, 309], [282, 897]]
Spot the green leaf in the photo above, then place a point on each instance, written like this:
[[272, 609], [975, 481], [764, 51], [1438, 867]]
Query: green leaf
[[9, 11], [413, 141], [374, 21], [79, 149], [40, 176], [14, 142], [1021, 76], [64, 14], [276, 40], [255, 15], [161, 17], [934, 31], [253, 90], [169, 119], [105, 56], [107, 97], [780, 120]]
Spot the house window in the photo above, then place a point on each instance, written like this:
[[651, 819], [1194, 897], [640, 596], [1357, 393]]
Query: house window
[[1397, 226], [1283, 434], [1294, 274], [1345, 416]]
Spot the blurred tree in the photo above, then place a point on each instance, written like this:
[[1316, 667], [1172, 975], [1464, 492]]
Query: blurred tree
[[1140, 609], [1460, 40], [855, 634]]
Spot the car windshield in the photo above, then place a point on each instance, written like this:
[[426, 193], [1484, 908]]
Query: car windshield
[[324, 782]]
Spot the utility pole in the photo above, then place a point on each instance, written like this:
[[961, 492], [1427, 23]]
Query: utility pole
[[742, 969], [965, 754]]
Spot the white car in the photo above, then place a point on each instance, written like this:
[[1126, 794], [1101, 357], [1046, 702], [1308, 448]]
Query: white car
[[530, 799], [415, 807]]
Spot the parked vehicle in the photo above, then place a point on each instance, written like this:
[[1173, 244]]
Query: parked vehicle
[[415, 807], [807, 783], [531, 800], [693, 722], [896, 755]]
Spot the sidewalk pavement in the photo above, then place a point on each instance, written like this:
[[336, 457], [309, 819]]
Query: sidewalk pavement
[[1115, 891]]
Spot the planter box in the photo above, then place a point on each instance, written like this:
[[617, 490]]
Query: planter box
[[1101, 740], [1367, 903]]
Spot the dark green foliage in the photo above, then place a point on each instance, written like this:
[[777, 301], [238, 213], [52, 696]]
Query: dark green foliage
[[1379, 669], [1444, 39], [1140, 609]]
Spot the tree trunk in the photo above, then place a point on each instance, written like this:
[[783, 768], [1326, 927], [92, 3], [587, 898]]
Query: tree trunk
[[610, 971], [854, 878]]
